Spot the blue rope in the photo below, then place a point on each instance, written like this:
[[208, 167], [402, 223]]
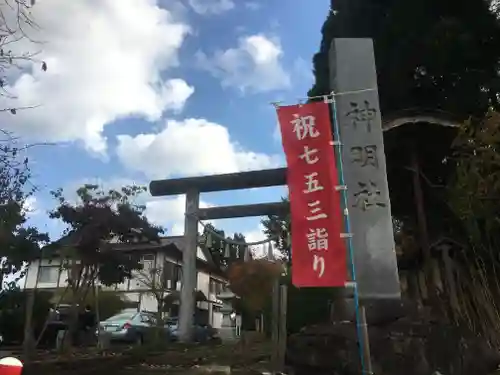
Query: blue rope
[[347, 224]]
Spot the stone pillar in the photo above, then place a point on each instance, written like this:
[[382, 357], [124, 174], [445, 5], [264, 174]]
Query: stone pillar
[[227, 332], [189, 272]]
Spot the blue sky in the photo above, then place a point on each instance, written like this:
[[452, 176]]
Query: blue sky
[[142, 89]]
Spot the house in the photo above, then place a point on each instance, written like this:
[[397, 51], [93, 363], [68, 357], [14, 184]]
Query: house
[[165, 256]]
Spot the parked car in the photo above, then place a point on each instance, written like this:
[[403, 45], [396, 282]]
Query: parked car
[[129, 326], [202, 333]]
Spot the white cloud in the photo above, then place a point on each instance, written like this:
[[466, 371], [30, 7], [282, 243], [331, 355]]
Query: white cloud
[[277, 132], [30, 206], [190, 147], [254, 65], [207, 7], [106, 60], [169, 213]]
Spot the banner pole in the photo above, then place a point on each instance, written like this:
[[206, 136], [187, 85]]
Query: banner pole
[[361, 324]]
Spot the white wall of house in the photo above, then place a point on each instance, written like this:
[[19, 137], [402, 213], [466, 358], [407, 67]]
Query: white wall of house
[[216, 319], [52, 275], [148, 302]]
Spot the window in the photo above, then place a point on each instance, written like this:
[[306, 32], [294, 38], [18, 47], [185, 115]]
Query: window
[[48, 274], [213, 286], [177, 273], [172, 274], [216, 286], [148, 261], [123, 316], [148, 319], [168, 272]]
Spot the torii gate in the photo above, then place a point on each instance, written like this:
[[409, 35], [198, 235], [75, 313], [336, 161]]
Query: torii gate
[[192, 187]]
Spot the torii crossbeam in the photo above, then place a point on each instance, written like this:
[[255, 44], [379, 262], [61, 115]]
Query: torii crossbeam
[[193, 187]]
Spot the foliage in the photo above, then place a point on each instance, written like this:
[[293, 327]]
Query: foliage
[[440, 55], [474, 191], [219, 248], [280, 225], [96, 218], [15, 26], [253, 281], [437, 57], [109, 303], [474, 198], [19, 243], [307, 306], [13, 311]]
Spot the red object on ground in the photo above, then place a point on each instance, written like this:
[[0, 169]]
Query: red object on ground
[[319, 256], [10, 366]]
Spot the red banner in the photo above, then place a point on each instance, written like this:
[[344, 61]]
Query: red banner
[[318, 251]]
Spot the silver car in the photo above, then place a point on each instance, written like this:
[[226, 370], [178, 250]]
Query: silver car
[[130, 327]]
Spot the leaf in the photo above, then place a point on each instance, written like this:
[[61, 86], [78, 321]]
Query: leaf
[[252, 281]]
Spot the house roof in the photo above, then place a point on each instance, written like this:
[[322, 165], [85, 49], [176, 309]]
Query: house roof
[[165, 243], [172, 246]]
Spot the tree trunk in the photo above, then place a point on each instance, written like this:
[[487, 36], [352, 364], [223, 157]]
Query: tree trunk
[[423, 230], [159, 331], [75, 279], [69, 338], [29, 340], [450, 282]]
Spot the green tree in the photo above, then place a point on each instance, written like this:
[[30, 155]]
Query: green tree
[[19, 242], [105, 302], [223, 252], [441, 57], [253, 281], [279, 226], [97, 218], [474, 198], [435, 55], [13, 305]]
